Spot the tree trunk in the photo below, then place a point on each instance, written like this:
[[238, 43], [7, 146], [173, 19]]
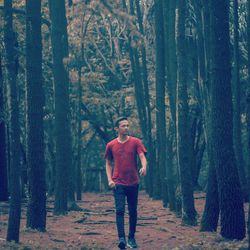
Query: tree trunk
[[188, 209], [170, 178], [211, 211], [248, 113], [36, 213], [171, 59], [50, 151], [160, 190], [3, 163], [197, 148], [14, 172], [137, 74], [169, 8], [79, 141], [230, 194], [62, 112], [149, 140], [210, 215], [236, 91]]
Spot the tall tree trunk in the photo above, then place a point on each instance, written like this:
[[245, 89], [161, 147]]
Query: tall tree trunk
[[137, 74], [3, 163], [203, 67], [230, 194], [36, 213], [169, 8], [248, 113], [149, 140], [171, 59], [62, 111], [188, 209], [14, 133], [236, 91], [160, 189], [206, 34], [210, 215], [79, 140]]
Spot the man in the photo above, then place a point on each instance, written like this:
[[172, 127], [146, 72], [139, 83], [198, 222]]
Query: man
[[124, 179]]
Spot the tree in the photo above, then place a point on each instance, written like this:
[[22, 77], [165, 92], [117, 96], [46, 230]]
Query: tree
[[230, 195], [137, 77], [62, 113], [211, 211], [248, 110], [148, 119], [14, 133], [79, 141], [3, 163], [36, 213], [160, 187], [189, 213], [169, 8], [236, 93]]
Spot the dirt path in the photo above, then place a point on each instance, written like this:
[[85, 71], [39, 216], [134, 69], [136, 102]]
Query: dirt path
[[94, 228]]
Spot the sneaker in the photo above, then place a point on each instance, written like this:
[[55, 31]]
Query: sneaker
[[132, 243], [122, 243]]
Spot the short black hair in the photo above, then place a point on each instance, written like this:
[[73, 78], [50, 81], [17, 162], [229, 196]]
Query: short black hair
[[119, 119]]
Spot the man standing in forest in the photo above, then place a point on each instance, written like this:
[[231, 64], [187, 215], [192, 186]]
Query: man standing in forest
[[125, 180]]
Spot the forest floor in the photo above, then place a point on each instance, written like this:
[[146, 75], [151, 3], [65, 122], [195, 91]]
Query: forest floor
[[94, 228]]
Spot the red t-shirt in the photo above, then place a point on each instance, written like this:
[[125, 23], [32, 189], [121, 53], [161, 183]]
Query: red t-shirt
[[124, 156]]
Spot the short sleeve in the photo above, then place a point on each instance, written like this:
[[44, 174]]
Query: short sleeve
[[108, 153], [140, 148]]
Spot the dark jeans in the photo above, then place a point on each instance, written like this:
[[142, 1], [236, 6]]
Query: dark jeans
[[131, 192]]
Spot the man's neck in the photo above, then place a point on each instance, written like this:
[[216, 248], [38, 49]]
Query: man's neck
[[122, 138]]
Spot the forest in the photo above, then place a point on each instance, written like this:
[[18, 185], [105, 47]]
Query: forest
[[179, 70]]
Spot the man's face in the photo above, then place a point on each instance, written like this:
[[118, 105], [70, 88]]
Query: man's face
[[123, 128]]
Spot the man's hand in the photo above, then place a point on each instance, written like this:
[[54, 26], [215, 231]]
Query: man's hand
[[109, 173], [111, 184], [143, 171]]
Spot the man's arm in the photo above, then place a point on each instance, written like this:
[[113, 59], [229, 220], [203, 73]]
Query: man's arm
[[143, 170], [109, 173]]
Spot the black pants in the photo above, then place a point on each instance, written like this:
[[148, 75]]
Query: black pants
[[131, 192]]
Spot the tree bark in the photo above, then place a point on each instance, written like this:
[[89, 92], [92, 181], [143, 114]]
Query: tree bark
[[236, 93], [3, 147], [171, 59], [137, 75], [79, 141], [169, 8], [248, 113], [230, 194], [62, 112], [183, 144], [149, 140], [210, 215], [160, 189], [36, 213], [14, 133]]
